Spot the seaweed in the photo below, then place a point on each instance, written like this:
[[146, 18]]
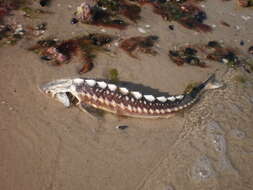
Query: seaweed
[[184, 12], [186, 55], [142, 44], [245, 3], [108, 13], [217, 52], [250, 50], [59, 52], [212, 51], [113, 75], [11, 34]]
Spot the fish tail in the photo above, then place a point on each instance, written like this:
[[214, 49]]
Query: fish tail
[[210, 83]]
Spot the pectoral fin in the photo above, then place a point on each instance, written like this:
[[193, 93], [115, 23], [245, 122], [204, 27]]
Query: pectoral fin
[[63, 98], [93, 112]]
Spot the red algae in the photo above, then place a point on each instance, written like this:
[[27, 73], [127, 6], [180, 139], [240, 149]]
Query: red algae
[[183, 12], [59, 52], [108, 13], [142, 44]]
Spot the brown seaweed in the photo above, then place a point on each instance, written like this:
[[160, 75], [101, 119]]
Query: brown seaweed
[[183, 12], [59, 52], [213, 51], [108, 13], [245, 3], [142, 44], [186, 55]]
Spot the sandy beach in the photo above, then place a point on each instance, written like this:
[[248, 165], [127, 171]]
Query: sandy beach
[[45, 146]]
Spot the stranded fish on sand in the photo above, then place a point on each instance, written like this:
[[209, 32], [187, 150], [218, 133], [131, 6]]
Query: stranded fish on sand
[[101, 95]]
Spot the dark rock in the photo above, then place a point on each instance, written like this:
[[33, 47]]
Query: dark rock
[[74, 21], [171, 27], [122, 127]]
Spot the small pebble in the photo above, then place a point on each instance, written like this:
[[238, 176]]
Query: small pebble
[[41, 26], [122, 127], [147, 26], [74, 21], [141, 30], [237, 27], [171, 27], [250, 50], [44, 3]]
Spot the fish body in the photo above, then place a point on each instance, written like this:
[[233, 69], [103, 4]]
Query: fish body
[[119, 99]]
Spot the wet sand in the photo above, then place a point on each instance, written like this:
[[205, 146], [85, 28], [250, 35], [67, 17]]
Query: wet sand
[[47, 146]]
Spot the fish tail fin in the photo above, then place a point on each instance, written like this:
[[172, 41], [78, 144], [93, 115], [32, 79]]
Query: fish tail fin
[[210, 83]]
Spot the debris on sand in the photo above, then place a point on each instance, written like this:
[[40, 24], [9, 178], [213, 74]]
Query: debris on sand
[[181, 11], [245, 3], [212, 51], [11, 34], [113, 75], [218, 52], [59, 52], [44, 3], [121, 127], [108, 13], [186, 55], [139, 43], [250, 50]]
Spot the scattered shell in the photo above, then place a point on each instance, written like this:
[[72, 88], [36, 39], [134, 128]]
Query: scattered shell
[[141, 30]]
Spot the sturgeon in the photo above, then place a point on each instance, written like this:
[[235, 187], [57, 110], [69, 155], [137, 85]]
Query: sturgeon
[[111, 97]]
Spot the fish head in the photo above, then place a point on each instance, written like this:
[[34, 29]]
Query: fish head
[[62, 90]]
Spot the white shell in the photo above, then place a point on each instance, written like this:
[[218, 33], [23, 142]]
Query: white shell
[[102, 84], [149, 98], [180, 97], [168, 110], [112, 87], [162, 99], [124, 90], [172, 98], [145, 110], [136, 94], [90, 82], [78, 81]]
